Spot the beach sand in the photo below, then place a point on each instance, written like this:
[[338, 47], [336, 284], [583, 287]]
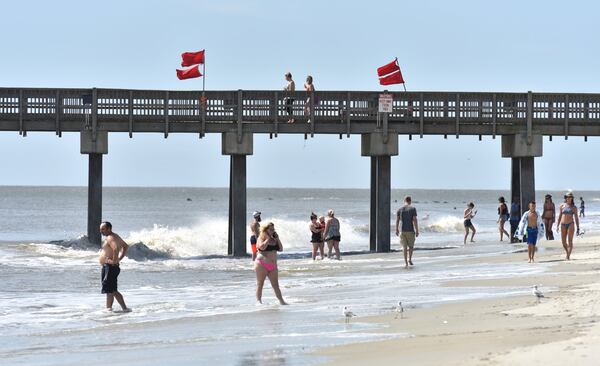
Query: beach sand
[[564, 328]]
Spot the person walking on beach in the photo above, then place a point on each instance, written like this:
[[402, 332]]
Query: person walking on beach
[[531, 226], [469, 214], [549, 216], [503, 216], [515, 217], [113, 251], [332, 234], [581, 207], [289, 101], [254, 228], [268, 245], [567, 217], [316, 237], [310, 89], [409, 231]]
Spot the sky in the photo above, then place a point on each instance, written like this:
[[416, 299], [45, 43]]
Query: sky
[[542, 46]]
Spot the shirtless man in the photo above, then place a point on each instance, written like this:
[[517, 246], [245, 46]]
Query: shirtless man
[[113, 251]]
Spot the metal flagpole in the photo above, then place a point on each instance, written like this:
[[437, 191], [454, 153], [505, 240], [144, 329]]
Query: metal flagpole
[[203, 97]]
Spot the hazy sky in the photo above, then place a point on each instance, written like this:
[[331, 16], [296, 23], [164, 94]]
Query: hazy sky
[[542, 46]]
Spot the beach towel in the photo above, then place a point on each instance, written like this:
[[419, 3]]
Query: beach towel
[[522, 229]]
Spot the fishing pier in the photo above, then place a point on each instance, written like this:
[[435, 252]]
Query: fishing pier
[[521, 120]]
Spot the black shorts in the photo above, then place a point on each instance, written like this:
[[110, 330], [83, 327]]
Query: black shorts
[[334, 238], [468, 223], [253, 240], [110, 273]]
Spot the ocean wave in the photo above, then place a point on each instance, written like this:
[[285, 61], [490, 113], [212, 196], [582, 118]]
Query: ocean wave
[[446, 224]]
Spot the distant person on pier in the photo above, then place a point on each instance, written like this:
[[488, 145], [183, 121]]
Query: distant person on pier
[[332, 234], [316, 237], [503, 217], [254, 229], [469, 214], [289, 101], [266, 261], [581, 207], [530, 227], [515, 217], [310, 89], [113, 251], [549, 216], [409, 231], [567, 219]]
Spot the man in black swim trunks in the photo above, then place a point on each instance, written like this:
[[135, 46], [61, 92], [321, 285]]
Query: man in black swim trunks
[[113, 251]]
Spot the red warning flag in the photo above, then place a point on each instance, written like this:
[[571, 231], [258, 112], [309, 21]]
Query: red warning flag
[[390, 73], [192, 58], [192, 72], [388, 68]]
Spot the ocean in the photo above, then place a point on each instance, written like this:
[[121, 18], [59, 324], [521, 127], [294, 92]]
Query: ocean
[[194, 305]]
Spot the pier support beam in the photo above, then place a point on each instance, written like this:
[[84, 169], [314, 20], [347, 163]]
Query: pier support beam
[[237, 149], [380, 148], [522, 153], [94, 147]]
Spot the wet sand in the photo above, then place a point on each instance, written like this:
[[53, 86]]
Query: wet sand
[[563, 328]]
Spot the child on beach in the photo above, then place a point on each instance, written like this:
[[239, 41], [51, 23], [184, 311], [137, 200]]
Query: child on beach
[[531, 226], [468, 215]]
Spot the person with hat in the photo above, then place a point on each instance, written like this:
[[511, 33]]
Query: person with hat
[[567, 219], [549, 216], [254, 229]]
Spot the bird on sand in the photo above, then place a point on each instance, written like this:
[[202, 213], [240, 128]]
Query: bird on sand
[[537, 293], [347, 314], [399, 310]]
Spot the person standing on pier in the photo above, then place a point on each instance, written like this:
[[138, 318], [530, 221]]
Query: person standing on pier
[[407, 216], [113, 251], [310, 89], [503, 216], [332, 234], [266, 261], [515, 217], [316, 237], [581, 207], [469, 214], [254, 229], [549, 216], [567, 218], [289, 101]]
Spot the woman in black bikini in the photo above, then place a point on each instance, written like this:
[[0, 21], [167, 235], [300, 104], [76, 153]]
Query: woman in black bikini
[[549, 215], [268, 244], [503, 216], [316, 237], [567, 217]]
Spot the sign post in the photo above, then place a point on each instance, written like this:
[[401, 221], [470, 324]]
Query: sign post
[[385, 106]]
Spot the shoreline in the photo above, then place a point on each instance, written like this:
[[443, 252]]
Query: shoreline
[[508, 330]]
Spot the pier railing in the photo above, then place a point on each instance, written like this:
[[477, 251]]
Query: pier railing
[[119, 110]]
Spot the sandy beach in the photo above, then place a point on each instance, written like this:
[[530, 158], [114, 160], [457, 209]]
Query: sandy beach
[[563, 328]]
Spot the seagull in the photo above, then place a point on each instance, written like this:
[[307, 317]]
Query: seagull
[[347, 313], [399, 310], [537, 293]]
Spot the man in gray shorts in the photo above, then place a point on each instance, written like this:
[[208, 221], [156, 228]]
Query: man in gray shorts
[[407, 214]]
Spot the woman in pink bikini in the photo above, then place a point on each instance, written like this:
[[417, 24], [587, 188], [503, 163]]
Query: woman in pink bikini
[[268, 244]]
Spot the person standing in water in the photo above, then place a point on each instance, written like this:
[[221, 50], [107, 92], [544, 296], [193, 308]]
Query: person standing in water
[[515, 217], [531, 226], [113, 251], [549, 216], [503, 216], [469, 214], [316, 237], [332, 234], [581, 207], [567, 218], [409, 231], [254, 229], [268, 244]]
